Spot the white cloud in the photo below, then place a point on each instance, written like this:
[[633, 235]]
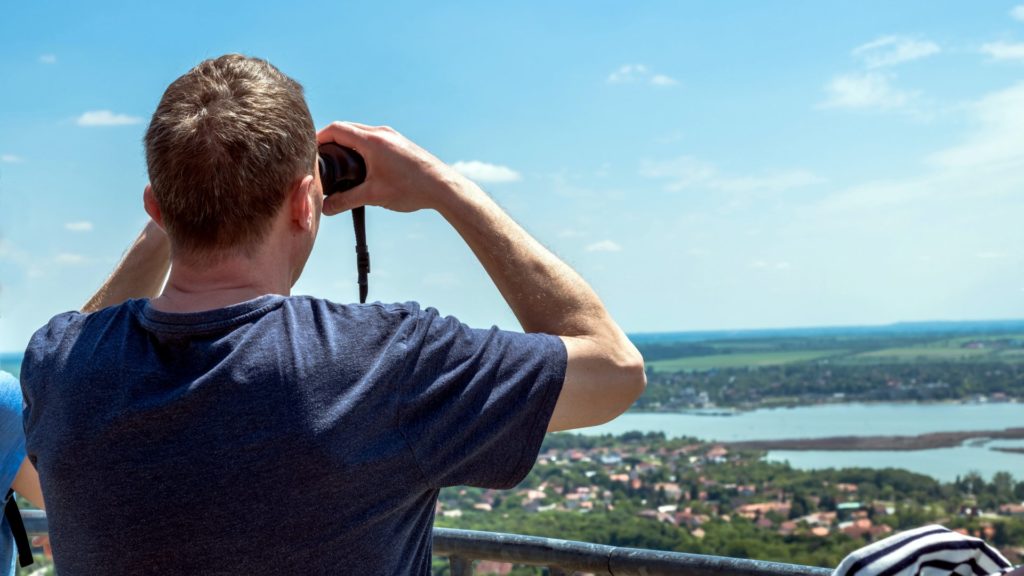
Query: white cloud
[[772, 182], [893, 50], [70, 259], [640, 73], [569, 233], [48, 58], [1017, 12], [864, 90], [663, 80], [683, 172], [689, 172], [11, 159], [628, 73], [878, 196], [1004, 50], [81, 226], [996, 142], [987, 166], [106, 118], [989, 255], [486, 173], [604, 246]]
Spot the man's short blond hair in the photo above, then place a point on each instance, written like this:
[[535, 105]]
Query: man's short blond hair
[[224, 146]]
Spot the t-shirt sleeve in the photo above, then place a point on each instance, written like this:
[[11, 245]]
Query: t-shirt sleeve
[[475, 404], [12, 435]]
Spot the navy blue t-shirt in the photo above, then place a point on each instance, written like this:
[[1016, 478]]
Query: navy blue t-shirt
[[279, 435]]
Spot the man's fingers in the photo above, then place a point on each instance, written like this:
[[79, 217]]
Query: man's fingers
[[343, 201], [351, 135], [345, 133]]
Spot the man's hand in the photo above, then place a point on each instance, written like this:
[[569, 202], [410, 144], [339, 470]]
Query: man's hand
[[400, 175]]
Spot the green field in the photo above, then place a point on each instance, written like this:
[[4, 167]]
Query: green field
[[985, 338], [921, 353], [741, 360], [740, 356], [993, 348], [747, 346]]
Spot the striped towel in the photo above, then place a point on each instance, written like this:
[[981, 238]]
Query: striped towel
[[928, 551]]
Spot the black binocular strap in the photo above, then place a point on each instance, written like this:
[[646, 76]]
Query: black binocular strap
[[362, 252], [13, 516]]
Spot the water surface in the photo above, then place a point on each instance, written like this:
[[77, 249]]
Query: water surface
[[854, 420]]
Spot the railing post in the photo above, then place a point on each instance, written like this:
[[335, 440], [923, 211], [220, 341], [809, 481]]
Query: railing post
[[460, 566]]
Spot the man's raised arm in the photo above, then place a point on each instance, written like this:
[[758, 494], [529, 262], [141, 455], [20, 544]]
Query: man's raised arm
[[605, 372], [140, 273]]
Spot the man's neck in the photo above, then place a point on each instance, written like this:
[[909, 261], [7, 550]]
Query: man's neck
[[196, 285]]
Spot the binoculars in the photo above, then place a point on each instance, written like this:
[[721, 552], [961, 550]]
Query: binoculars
[[341, 169]]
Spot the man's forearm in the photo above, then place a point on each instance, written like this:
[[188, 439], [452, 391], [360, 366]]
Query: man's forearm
[[140, 273], [545, 294], [605, 372]]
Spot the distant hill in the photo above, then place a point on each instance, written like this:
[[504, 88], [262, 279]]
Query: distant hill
[[893, 330]]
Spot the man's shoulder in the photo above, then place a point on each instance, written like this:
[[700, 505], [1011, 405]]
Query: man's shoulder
[[48, 336], [369, 306], [372, 326], [71, 322], [373, 312], [53, 341]]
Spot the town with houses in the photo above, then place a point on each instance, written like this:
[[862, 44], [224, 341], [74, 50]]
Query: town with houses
[[694, 488]]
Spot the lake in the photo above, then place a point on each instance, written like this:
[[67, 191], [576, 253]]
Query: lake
[[854, 420]]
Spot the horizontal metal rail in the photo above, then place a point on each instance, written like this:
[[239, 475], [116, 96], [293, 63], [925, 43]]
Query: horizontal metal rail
[[463, 547], [35, 521], [567, 556]]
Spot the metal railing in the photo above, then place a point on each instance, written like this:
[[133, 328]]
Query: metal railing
[[563, 557]]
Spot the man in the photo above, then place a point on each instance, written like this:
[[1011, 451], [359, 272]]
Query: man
[[227, 427]]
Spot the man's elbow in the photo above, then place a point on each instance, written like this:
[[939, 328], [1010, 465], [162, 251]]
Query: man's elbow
[[630, 379], [633, 376], [601, 383]]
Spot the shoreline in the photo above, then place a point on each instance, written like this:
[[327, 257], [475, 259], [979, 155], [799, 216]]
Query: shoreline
[[928, 441], [742, 409]]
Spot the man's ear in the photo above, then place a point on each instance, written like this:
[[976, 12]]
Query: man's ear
[[152, 207], [301, 203]]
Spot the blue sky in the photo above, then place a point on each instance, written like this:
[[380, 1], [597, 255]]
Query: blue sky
[[704, 165]]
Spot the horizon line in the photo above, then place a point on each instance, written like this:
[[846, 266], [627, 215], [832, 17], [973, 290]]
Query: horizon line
[[829, 327]]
